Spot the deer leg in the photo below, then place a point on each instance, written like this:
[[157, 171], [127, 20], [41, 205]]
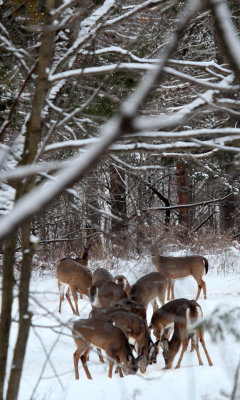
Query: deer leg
[[204, 289], [205, 350], [199, 291], [192, 344], [75, 298], [119, 369], [161, 296], [169, 289], [100, 355], [184, 348], [154, 305], [110, 363], [172, 287], [84, 364], [76, 357], [196, 345], [61, 291], [69, 301], [201, 286]]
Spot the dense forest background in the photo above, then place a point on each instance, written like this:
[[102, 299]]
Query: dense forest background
[[119, 127]]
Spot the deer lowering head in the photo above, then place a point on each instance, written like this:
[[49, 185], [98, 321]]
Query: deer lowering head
[[135, 330], [184, 316], [78, 279], [181, 267], [103, 335]]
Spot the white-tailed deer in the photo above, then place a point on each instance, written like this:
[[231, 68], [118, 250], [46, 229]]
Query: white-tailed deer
[[122, 281], [101, 274], [104, 292], [105, 336], [162, 321], [185, 314], [77, 277], [148, 288], [134, 328], [181, 267]]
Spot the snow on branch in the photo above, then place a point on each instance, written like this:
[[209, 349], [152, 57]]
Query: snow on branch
[[34, 201], [140, 67], [228, 37]]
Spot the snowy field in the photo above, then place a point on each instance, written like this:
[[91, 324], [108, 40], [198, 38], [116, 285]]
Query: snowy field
[[48, 369]]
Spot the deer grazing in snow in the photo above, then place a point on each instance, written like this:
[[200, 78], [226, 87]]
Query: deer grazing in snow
[[78, 278], [105, 336], [184, 313], [104, 292], [148, 288], [181, 267], [135, 330]]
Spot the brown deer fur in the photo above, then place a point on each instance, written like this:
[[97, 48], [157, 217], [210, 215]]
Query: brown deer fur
[[181, 267], [77, 277], [148, 288], [187, 313], [105, 336]]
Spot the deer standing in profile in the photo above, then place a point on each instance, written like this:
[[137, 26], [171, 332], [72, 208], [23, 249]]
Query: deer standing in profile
[[78, 278], [104, 292], [184, 313], [148, 288], [122, 281], [105, 336], [181, 267]]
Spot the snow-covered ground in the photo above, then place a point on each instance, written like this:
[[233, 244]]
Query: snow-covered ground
[[51, 377]]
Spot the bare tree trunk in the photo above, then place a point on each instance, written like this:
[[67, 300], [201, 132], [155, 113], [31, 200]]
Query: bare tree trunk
[[33, 136], [118, 200], [183, 193], [7, 299]]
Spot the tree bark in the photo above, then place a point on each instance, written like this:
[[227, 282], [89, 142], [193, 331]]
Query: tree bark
[[7, 300], [118, 200], [183, 193], [33, 136]]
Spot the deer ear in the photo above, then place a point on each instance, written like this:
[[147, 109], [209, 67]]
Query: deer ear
[[164, 344]]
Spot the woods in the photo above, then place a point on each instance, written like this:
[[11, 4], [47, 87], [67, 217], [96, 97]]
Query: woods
[[119, 128]]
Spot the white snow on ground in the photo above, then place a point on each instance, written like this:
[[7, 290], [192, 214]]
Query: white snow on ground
[[53, 334]]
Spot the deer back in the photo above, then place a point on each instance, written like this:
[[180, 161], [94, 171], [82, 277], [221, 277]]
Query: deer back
[[101, 274], [164, 317], [180, 267], [148, 288], [132, 306], [72, 273], [105, 293]]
